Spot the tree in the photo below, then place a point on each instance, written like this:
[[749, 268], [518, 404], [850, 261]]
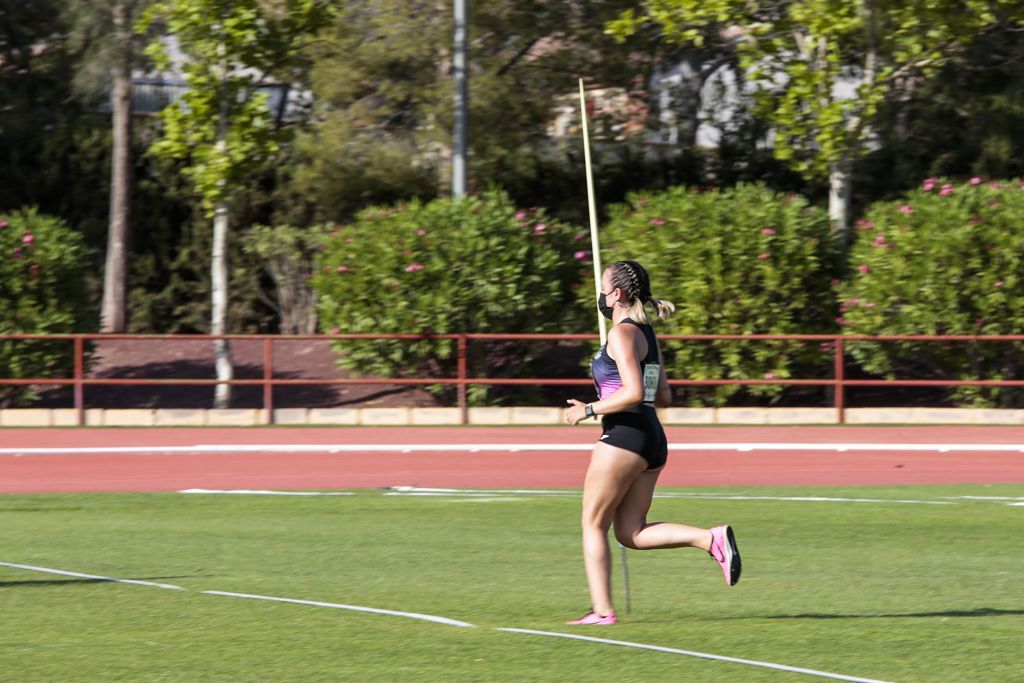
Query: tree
[[798, 54], [221, 127], [383, 87], [102, 30]]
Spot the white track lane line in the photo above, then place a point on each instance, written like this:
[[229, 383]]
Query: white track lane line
[[701, 655], [510, 448], [47, 570], [354, 608], [258, 492]]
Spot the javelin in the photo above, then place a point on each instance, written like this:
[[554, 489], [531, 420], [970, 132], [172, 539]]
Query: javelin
[[596, 249], [594, 243]]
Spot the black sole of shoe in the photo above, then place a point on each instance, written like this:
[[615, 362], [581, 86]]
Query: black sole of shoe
[[736, 567]]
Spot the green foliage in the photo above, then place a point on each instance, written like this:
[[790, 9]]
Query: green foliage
[[43, 269], [288, 255], [945, 259], [796, 51], [738, 261], [448, 266], [222, 124], [383, 87]]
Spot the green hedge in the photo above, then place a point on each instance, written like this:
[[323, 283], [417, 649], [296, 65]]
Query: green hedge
[[947, 258], [744, 260], [473, 265], [43, 268]]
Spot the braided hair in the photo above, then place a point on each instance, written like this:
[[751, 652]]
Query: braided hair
[[635, 283]]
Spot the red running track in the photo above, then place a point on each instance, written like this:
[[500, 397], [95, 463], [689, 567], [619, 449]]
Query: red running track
[[157, 471]]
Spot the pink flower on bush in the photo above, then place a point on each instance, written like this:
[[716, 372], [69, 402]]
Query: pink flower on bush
[[413, 267], [421, 232], [350, 240], [929, 184], [342, 269], [853, 303], [641, 202], [864, 268], [999, 284], [769, 375], [17, 252], [835, 283], [578, 236], [335, 330], [975, 180], [28, 238], [657, 221], [946, 190], [580, 255], [763, 257], [520, 215], [842, 308], [3, 224], [865, 225], [869, 304], [842, 321], [767, 231], [906, 210], [879, 241], [539, 228]]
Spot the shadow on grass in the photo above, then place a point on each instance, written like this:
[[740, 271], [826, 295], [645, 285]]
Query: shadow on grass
[[66, 582]]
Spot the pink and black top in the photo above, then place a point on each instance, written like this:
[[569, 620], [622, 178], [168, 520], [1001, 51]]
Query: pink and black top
[[606, 372]]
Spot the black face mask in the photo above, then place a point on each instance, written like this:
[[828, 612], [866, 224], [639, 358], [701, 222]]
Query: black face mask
[[603, 306]]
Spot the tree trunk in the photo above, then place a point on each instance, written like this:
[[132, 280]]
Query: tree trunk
[[219, 296], [112, 312], [839, 187]]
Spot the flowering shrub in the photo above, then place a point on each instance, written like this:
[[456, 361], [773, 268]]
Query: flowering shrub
[[743, 260], [43, 266], [449, 266], [945, 259]]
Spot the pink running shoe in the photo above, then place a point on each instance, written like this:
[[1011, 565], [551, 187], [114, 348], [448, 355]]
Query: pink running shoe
[[726, 553], [594, 619]]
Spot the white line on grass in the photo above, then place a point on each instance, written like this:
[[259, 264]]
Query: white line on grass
[[701, 655], [354, 608], [47, 570], [508, 447], [413, 490]]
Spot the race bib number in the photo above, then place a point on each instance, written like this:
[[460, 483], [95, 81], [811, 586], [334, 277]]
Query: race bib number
[[652, 373]]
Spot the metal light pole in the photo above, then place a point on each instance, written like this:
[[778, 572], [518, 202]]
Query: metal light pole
[[461, 133]]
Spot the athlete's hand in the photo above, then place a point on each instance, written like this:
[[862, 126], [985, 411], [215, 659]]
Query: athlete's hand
[[576, 413]]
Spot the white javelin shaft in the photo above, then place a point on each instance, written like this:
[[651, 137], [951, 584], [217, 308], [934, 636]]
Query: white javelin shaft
[[595, 246]]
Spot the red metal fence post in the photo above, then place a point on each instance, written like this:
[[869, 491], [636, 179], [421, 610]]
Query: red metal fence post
[[79, 376], [268, 376], [840, 381], [462, 372]]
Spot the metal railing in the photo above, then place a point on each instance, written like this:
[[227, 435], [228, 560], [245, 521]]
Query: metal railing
[[838, 382]]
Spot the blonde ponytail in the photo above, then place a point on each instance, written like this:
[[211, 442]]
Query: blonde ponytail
[[663, 307]]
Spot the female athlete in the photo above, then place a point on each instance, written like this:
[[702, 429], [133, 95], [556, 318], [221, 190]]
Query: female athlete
[[626, 461]]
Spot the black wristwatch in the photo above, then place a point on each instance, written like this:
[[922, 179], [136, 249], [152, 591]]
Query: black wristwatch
[[590, 410]]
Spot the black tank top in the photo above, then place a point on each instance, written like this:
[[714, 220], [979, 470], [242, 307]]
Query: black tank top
[[606, 372]]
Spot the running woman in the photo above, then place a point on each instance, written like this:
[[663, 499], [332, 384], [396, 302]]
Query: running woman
[[629, 456]]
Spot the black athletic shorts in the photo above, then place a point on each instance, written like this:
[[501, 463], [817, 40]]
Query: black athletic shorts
[[640, 432]]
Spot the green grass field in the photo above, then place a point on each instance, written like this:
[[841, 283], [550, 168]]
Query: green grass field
[[897, 592]]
